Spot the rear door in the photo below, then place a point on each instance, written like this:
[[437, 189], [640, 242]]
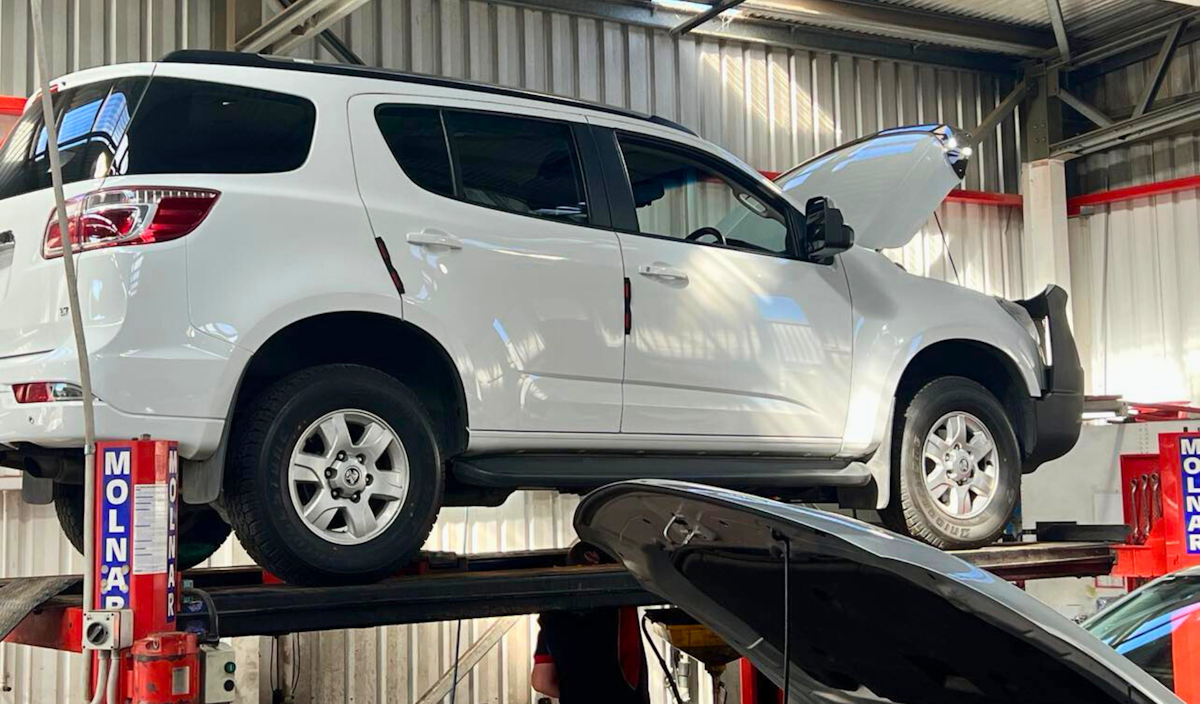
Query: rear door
[[732, 334], [500, 235]]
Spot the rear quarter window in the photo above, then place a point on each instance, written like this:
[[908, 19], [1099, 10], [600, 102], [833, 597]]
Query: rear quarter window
[[192, 127], [134, 126]]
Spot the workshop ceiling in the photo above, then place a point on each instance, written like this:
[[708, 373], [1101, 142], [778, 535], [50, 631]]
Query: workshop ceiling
[[1013, 27], [1084, 19]]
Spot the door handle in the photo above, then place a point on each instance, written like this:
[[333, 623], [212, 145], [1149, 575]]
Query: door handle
[[7, 240], [434, 238], [657, 271]]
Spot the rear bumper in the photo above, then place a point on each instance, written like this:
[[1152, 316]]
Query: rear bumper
[[173, 392], [60, 426], [1053, 421]]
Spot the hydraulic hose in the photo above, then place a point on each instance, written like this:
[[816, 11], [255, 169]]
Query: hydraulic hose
[[85, 372]]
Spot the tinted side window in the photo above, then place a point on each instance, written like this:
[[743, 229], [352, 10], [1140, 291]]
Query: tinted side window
[[517, 164], [190, 127], [92, 121], [417, 140], [678, 194]]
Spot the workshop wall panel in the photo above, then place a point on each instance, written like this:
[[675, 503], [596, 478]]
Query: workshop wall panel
[[86, 33], [1133, 267]]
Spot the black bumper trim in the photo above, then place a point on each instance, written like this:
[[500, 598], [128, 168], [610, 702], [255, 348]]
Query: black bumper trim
[[1055, 419]]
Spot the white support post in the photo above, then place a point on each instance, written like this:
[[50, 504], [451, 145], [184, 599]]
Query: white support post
[[1045, 251]]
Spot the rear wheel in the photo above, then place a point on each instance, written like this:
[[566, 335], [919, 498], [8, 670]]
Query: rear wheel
[[956, 467], [335, 476], [201, 528]]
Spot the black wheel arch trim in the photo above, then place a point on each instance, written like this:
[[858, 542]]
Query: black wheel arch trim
[[1055, 420]]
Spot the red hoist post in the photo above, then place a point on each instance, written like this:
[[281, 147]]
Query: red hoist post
[[137, 585], [1161, 500]]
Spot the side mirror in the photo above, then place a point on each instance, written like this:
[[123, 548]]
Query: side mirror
[[825, 232]]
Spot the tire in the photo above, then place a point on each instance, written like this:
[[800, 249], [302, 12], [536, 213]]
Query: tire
[[266, 494], [201, 529], [940, 515]]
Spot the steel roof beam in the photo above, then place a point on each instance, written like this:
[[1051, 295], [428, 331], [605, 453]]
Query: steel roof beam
[[1135, 128], [1125, 42], [1083, 107], [998, 113], [909, 25], [1165, 53], [711, 13], [784, 34], [1060, 29], [281, 25]]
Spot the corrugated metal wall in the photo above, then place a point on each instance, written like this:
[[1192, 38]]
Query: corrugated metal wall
[[773, 106], [1133, 270], [1132, 262]]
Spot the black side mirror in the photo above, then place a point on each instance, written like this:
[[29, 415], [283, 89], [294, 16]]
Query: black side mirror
[[825, 232]]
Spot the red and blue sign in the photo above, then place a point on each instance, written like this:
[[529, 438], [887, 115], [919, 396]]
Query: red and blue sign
[[115, 527], [1189, 465]]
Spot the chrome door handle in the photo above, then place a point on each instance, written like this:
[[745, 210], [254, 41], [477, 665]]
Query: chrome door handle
[[434, 238], [657, 271]]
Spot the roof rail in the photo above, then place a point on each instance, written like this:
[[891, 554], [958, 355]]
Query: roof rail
[[232, 58]]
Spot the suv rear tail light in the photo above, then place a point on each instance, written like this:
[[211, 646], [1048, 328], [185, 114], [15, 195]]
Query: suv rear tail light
[[123, 216], [46, 391]]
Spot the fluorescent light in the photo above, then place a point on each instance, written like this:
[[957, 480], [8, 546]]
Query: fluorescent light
[[1193, 3]]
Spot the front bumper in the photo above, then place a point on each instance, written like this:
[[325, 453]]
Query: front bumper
[[1053, 422]]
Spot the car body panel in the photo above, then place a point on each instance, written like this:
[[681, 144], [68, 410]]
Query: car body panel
[[865, 178], [873, 615], [896, 316], [751, 344], [536, 375], [541, 348]]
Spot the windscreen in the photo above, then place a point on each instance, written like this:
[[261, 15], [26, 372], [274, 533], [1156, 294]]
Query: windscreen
[[137, 125]]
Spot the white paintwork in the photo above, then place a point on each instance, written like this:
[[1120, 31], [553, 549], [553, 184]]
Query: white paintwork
[[865, 178], [529, 310]]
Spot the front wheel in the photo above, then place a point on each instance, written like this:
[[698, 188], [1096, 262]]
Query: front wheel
[[956, 471], [335, 476]]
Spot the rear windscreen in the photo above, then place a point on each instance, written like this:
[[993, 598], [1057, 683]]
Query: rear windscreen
[[170, 126]]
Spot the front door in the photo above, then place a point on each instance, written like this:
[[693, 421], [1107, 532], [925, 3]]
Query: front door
[[732, 334], [504, 254]]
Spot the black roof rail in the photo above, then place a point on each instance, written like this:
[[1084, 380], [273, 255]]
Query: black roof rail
[[232, 58]]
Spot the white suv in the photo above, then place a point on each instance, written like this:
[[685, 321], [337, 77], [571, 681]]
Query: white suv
[[355, 296]]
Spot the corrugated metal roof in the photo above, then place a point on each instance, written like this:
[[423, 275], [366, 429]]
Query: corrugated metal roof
[[1086, 20]]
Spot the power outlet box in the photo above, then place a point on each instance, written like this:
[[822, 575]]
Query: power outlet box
[[218, 673], [107, 630]]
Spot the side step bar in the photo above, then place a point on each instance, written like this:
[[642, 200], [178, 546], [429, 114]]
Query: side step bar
[[570, 471]]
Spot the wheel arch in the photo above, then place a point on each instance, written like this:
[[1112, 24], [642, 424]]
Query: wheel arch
[[985, 364], [376, 340]]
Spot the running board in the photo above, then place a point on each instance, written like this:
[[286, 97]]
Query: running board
[[561, 471]]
